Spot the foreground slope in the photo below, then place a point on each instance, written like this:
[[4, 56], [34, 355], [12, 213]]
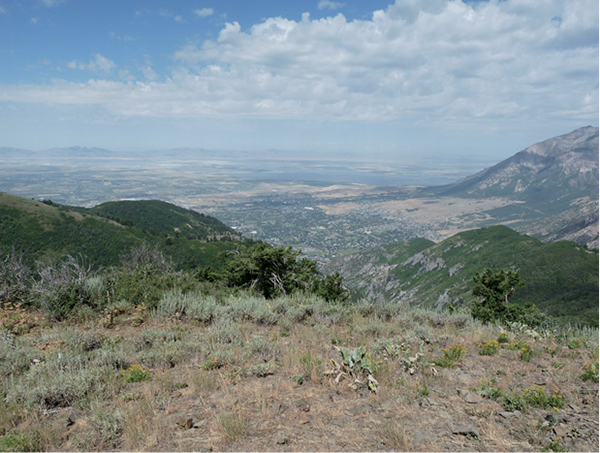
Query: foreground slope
[[561, 278], [141, 382], [44, 231]]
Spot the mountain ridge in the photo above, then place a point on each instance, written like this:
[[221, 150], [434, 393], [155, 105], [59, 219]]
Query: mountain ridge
[[561, 277], [43, 230]]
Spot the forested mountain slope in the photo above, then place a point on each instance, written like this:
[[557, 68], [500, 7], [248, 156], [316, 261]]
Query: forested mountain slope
[[44, 231], [561, 278]]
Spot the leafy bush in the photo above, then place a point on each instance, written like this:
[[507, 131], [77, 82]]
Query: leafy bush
[[136, 373], [590, 372], [488, 348], [493, 291], [451, 355], [275, 271], [524, 349], [503, 338]]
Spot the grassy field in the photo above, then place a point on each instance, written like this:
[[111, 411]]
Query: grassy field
[[243, 373]]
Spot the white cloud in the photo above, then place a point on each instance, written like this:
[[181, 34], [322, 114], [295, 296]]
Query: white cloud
[[204, 12], [328, 4], [98, 64], [439, 62]]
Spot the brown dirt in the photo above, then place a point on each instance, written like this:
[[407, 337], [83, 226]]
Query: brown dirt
[[234, 411]]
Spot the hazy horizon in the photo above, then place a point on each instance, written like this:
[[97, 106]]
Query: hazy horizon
[[459, 79]]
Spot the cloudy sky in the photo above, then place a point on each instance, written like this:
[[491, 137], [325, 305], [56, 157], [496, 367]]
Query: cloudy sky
[[410, 77]]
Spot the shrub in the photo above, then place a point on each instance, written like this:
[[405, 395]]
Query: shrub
[[136, 373], [61, 383], [14, 280], [63, 287], [493, 291], [451, 355], [488, 348], [524, 349], [536, 397], [576, 343], [590, 372], [233, 424], [503, 338], [533, 396], [226, 332], [192, 305], [311, 364], [490, 389], [17, 440]]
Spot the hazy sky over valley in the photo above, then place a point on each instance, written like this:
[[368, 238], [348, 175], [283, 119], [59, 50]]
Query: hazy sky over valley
[[406, 78]]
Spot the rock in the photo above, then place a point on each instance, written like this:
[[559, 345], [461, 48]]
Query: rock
[[278, 407], [421, 436], [463, 378], [151, 441], [508, 415], [473, 398], [562, 430], [282, 440], [466, 430], [199, 424], [185, 423]]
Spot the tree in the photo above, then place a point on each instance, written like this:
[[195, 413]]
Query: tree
[[273, 271], [493, 291]]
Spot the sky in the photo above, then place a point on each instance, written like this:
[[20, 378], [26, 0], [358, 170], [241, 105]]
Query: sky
[[410, 78]]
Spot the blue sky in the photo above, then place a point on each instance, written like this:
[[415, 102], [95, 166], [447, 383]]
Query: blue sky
[[407, 78]]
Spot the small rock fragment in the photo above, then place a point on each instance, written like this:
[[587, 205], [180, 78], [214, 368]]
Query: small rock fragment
[[466, 430], [562, 430], [186, 423], [473, 398]]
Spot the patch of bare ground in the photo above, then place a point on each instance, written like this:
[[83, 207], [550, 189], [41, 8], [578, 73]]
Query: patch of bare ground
[[275, 384], [448, 214]]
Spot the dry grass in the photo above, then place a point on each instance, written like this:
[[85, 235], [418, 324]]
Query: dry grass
[[296, 405]]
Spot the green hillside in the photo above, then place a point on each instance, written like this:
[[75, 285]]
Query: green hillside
[[561, 278], [45, 231], [164, 218]]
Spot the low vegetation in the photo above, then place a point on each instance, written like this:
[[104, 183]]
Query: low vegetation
[[295, 372]]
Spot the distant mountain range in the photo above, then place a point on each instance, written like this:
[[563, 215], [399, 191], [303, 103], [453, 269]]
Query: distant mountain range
[[554, 184]]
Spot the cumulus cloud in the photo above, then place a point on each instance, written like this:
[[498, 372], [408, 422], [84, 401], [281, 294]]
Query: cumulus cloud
[[440, 62], [328, 4], [98, 64], [204, 12]]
